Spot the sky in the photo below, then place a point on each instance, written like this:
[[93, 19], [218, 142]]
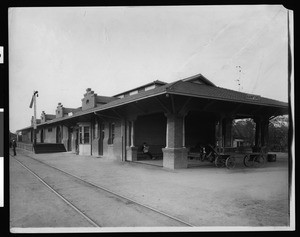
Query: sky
[[60, 52]]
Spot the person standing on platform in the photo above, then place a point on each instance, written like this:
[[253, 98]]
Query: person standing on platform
[[14, 145]]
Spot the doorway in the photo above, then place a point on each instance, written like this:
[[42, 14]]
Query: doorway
[[58, 134], [42, 136], [101, 133]]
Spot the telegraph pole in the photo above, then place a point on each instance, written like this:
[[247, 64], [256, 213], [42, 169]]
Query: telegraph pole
[[33, 101]]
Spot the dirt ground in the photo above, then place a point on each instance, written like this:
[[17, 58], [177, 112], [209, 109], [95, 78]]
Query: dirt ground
[[203, 195]]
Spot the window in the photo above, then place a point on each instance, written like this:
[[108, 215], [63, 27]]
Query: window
[[149, 87], [87, 101], [49, 129], [86, 135], [111, 133]]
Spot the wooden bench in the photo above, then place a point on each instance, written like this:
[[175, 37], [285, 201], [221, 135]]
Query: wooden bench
[[194, 153]]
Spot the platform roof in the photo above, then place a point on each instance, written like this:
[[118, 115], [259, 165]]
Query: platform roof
[[196, 87]]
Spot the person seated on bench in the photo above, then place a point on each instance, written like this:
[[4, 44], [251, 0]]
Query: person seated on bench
[[146, 151]]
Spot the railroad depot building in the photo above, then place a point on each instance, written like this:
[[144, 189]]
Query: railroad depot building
[[169, 117]]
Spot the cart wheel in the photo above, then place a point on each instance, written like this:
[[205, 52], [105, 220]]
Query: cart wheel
[[259, 160], [230, 162], [248, 161], [220, 162]]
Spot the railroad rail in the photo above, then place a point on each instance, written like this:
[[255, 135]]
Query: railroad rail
[[95, 186]]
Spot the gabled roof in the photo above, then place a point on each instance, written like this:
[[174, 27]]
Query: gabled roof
[[188, 88], [200, 79], [197, 86], [212, 92]]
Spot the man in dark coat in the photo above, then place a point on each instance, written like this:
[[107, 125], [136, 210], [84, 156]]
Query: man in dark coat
[[14, 145]]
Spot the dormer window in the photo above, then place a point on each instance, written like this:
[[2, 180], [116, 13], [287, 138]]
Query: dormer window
[[149, 87], [133, 92]]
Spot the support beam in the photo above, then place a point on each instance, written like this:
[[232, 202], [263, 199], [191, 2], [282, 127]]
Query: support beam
[[132, 134], [165, 109], [257, 132], [131, 150], [173, 104], [227, 132], [265, 134], [220, 135], [183, 108], [175, 154]]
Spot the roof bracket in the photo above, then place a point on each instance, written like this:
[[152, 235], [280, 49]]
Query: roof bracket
[[162, 105]]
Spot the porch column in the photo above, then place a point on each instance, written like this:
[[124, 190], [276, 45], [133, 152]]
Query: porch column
[[132, 133], [227, 131], [95, 141], [175, 154], [257, 132], [131, 150], [265, 134], [220, 135], [183, 132]]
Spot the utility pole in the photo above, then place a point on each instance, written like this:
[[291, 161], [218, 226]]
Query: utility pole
[[33, 101]]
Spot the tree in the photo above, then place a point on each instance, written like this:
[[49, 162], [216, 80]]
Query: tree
[[278, 133], [244, 129]]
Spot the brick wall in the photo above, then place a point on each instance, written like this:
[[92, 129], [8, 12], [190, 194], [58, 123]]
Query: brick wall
[[73, 143], [89, 100], [59, 111], [65, 136]]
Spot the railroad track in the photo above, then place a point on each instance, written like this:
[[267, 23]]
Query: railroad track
[[83, 213]]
